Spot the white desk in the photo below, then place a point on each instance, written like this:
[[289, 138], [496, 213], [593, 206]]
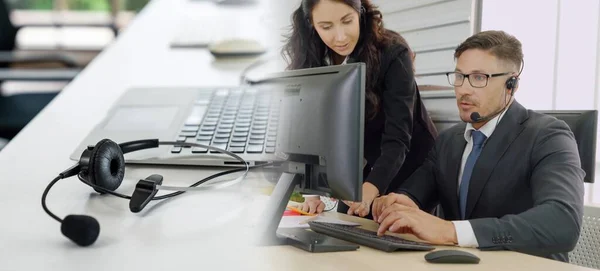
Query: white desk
[[193, 232]]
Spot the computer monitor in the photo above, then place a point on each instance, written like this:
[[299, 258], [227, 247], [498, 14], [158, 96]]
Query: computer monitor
[[319, 137], [583, 124]]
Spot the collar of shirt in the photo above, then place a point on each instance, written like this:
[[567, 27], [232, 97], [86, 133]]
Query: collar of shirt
[[328, 62], [487, 129]]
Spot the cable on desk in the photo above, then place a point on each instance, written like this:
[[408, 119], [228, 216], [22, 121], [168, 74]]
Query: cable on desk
[[58, 178]]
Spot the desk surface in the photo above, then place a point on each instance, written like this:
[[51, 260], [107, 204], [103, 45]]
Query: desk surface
[[194, 231]]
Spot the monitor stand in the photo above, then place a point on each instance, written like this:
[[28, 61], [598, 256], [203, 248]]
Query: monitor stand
[[269, 235]]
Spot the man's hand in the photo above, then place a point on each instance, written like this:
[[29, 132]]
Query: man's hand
[[383, 202], [362, 208], [312, 205], [403, 219]]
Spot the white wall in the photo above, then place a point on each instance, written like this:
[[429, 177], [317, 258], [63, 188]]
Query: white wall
[[560, 44], [538, 37]]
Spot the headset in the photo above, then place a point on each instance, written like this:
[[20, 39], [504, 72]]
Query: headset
[[102, 167], [511, 84]]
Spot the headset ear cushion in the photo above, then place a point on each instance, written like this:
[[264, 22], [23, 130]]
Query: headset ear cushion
[[107, 165], [511, 83]]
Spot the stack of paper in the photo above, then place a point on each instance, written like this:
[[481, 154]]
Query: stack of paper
[[302, 221]]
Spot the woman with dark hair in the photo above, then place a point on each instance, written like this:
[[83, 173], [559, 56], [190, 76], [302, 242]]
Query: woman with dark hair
[[398, 131]]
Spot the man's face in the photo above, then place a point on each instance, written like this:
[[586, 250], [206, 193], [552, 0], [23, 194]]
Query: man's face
[[484, 100]]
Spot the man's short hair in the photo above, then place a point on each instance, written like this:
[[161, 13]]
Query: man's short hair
[[498, 43]]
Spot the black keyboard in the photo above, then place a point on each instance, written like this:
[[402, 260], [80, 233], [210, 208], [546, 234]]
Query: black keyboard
[[367, 238], [237, 120]]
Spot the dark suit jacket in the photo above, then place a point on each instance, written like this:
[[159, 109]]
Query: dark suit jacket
[[526, 191], [398, 139]]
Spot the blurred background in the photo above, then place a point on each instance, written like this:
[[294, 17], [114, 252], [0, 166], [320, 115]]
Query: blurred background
[[45, 43], [77, 28]]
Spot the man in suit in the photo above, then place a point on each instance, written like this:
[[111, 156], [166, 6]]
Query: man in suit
[[508, 178]]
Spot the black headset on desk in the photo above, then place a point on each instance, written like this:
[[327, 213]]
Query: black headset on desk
[[102, 167]]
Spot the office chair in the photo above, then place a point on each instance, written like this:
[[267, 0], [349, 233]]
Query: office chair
[[17, 110], [583, 124], [587, 252]]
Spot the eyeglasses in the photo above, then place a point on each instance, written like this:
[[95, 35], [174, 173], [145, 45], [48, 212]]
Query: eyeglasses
[[477, 80]]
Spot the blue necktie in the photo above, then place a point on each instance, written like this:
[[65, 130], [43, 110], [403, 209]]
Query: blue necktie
[[478, 139]]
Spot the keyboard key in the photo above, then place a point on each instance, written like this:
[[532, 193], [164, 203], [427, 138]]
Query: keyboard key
[[222, 135], [227, 122], [256, 142], [181, 139], [258, 132], [242, 129], [215, 120], [272, 128], [207, 142], [259, 127], [236, 149], [206, 133], [270, 150], [271, 133], [238, 139], [259, 137], [271, 139], [209, 123], [204, 138], [270, 144], [188, 134], [261, 117], [242, 124], [222, 92], [220, 140], [208, 128], [199, 150], [225, 126], [237, 144], [223, 130], [218, 145], [260, 122], [176, 149], [193, 128], [240, 134], [255, 149]]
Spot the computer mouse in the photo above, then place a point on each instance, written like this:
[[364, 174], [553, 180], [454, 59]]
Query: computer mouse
[[451, 256], [236, 47]]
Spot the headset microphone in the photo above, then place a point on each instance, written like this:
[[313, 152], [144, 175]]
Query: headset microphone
[[476, 117]]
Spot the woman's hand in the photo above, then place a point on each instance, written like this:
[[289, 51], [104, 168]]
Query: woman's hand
[[362, 208], [312, 205]]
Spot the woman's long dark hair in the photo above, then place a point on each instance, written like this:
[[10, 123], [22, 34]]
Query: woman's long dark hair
[[305, 49]]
